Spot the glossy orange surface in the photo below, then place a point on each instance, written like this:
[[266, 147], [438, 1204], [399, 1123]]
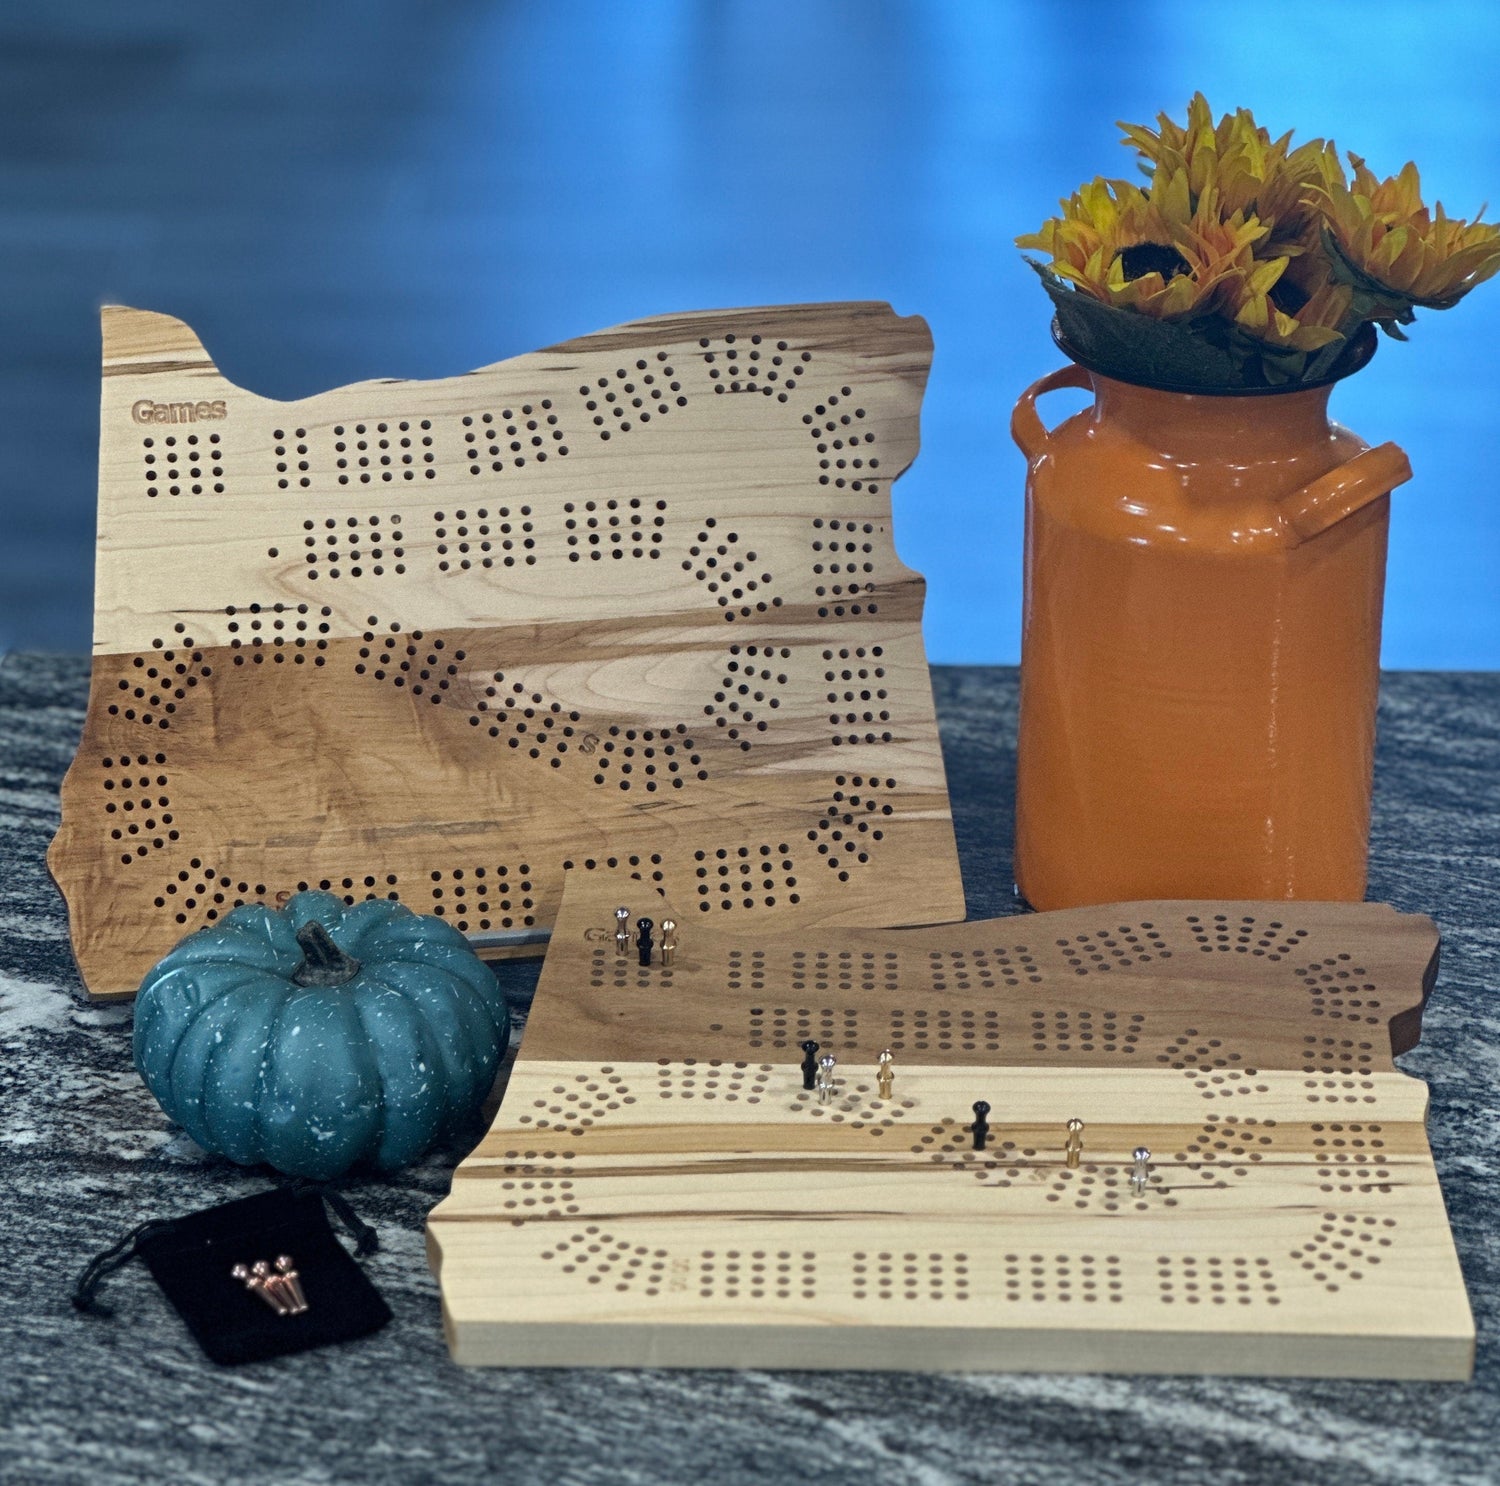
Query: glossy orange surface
[[1200, 646]]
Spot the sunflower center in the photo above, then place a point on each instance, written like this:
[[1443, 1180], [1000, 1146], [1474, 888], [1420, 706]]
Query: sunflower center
[[1144, 258]]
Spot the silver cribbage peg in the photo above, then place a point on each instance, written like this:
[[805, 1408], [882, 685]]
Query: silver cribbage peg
[[825, 1078], [622, 931], [668, 940], [1074, 1147], [884, 1073], [291, 1284], [1140, 1175]]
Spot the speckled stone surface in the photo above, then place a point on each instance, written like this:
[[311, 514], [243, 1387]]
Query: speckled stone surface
[[86, 1154]]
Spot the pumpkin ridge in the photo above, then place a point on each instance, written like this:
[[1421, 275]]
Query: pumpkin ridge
[[381, 1111], [459, 972], [418, 1026], [263, 1082], [444, 995], [199, 1008], [223, 1045]]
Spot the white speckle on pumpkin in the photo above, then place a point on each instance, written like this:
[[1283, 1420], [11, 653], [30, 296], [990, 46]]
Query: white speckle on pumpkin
[[296, 1030]]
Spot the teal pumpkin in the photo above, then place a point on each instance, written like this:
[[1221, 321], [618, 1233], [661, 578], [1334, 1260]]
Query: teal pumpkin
[[319, 1037]]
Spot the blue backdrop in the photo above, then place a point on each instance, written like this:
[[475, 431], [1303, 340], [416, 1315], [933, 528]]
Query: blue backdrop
[[411, 189]]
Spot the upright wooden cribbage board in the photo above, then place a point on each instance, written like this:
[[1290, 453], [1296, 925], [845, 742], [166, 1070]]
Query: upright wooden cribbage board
[[631, 601], [658, 1189]]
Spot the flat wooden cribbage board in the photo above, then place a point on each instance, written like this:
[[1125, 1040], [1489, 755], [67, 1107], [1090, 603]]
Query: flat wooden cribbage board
[[632, 601], [659, 1190]]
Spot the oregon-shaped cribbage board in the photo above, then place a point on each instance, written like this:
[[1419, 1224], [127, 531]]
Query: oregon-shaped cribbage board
[[658, 1188], [631, 601]]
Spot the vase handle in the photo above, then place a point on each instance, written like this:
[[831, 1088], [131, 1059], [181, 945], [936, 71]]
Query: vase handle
[[1342, 491], [1026, 426]]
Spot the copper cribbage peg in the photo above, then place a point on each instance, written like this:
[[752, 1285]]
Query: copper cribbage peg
[[292, 1282], [255, 1283], [668, 940], [622, 931], [825, 1078], [1140, 1175], [884, 1073], [1074, 1147], [272, 1284]]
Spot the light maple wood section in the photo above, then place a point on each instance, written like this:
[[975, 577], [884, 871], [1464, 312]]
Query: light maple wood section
[[631, 603], [659, 1190]]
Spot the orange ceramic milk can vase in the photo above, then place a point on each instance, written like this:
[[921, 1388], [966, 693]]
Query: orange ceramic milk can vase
[[1200, 646]]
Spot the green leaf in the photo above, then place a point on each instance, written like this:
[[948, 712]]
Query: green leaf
[[1190, 355]]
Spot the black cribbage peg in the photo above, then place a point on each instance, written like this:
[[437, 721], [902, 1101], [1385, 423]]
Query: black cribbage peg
[[643, 927], [981, 1125], [810, 1065]]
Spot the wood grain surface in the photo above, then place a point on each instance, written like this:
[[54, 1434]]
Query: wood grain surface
[[632, 600], [658, 1188]]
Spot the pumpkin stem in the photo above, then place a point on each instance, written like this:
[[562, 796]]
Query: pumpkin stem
[[324, 963]]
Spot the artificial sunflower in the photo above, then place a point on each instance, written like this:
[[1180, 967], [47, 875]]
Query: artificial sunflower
[[1245, 260], [1396, 254]]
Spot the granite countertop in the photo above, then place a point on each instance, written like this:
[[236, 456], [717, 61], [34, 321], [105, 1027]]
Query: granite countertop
[[85, 1154]]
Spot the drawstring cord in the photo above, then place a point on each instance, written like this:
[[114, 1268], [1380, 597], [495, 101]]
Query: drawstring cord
[[102, 1265]]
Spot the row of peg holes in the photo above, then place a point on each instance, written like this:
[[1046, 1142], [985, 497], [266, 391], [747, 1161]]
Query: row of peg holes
[[768, 372], [712, 560], [614, 527], [647, 757], [839, 443], [133, 799], [382, 439], [631, 395], [343, 546], [740, 875], [837, 834], [285, 628], [182, 464], [524, 437], [1245, 935], [1086, 953], [477, 899], [712, 1078], [534, 724]]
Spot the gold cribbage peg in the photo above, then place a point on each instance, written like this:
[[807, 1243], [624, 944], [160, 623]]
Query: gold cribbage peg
[[668, 940], [622, 932], [1074, 1147], [885, 1074], [1140, 1175]]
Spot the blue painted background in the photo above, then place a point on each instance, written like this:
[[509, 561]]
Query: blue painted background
[[331, 192]]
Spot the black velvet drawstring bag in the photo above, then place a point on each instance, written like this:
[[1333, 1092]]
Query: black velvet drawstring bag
[[193, 1260]]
